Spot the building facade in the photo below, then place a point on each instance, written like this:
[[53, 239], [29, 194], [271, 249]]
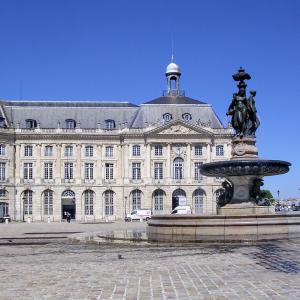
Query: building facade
[[101, 160]]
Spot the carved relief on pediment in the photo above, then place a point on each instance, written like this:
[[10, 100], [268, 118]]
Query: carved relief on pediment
[[178, 129]]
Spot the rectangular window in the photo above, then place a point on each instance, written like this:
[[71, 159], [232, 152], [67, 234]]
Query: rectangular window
[[48, 151], [219, 150], [158, 150], [198, 150], [68, 171], [2, 171], [136, 150], [89, 171], [198, 175], [89, 151], [2, 149], [28, 151], [136, 171], [48, 171], [158, 170], [28, 171], [109, 171], [69, 151], [109, 151]]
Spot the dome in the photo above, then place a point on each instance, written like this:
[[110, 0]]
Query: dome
[[172, 68]]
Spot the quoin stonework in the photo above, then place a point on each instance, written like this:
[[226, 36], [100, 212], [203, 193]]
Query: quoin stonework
[[101, 160]]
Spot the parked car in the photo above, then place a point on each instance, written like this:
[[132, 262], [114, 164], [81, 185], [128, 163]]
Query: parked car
[[139, 214], [3, 218], [182, 210]]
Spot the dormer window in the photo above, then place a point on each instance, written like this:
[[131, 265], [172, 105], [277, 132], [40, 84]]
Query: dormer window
[[70, 124], [187, 117], [110, 124], [2, 122], [30, 123], [167, 117]]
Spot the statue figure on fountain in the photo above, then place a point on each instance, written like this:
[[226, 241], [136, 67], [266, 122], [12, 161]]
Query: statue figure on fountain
[[243, 111], [226, 196]]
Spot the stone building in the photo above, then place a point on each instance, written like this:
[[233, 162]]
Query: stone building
[[101, 160]]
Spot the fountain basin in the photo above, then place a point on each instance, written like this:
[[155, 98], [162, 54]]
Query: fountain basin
[[217, 228], [258, 167]]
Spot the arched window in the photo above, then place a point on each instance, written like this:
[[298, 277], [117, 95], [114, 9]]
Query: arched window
[[27, 202], [136, 199], [68, 194], [70, 123], [199, 195], [88, 202], [158, 201], [218, 193], [178, 169], [48, 202], [30, 123], [110, 124]]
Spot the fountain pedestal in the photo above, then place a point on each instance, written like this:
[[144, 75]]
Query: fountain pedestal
[[247, 208]]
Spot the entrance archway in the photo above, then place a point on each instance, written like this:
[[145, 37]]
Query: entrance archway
[[68, 204], [178, 198]]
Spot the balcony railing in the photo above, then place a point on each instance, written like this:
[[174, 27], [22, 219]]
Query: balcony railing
[[180, 93]]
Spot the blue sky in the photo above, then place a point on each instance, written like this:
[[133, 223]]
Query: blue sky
[[118, 50]]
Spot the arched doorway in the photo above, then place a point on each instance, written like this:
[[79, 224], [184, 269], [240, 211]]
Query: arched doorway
[[178, 198], [68, 204]]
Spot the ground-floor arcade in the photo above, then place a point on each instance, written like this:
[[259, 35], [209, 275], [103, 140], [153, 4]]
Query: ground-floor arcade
[[89, 204]]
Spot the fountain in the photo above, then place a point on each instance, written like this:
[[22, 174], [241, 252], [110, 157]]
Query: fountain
[[242, 214]]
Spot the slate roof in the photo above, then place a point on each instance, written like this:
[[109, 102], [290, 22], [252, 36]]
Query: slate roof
[[90, 114], [174, 100]]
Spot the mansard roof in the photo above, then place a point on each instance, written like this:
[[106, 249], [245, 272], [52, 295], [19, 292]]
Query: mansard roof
[[50, 113], [94, 114], [174, 100], [200, 113]]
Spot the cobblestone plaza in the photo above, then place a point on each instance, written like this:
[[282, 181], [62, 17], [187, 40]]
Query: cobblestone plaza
[[39, 262]]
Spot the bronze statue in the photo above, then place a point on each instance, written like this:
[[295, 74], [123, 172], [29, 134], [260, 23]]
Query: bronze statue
[[238, 111], [225, 197], [253, 120], [243, 111]]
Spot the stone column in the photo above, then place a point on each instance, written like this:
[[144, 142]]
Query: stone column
[[147, 162], [126, 163], [208, 152], [58, 176], [38, 173], [168, 162], [98, 168], [18, 164], [188, 161], [78, 176]]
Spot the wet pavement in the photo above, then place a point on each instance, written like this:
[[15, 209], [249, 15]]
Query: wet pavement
[[60, 268]]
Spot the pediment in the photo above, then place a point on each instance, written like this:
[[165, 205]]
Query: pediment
[[179, 128]]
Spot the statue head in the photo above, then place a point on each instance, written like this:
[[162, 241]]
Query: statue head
[[253, 93]]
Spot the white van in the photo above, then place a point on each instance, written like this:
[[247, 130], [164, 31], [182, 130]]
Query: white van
[[182, 210], [139, 214]]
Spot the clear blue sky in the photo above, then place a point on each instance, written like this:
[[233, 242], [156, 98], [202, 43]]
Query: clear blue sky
[[118, 50]]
